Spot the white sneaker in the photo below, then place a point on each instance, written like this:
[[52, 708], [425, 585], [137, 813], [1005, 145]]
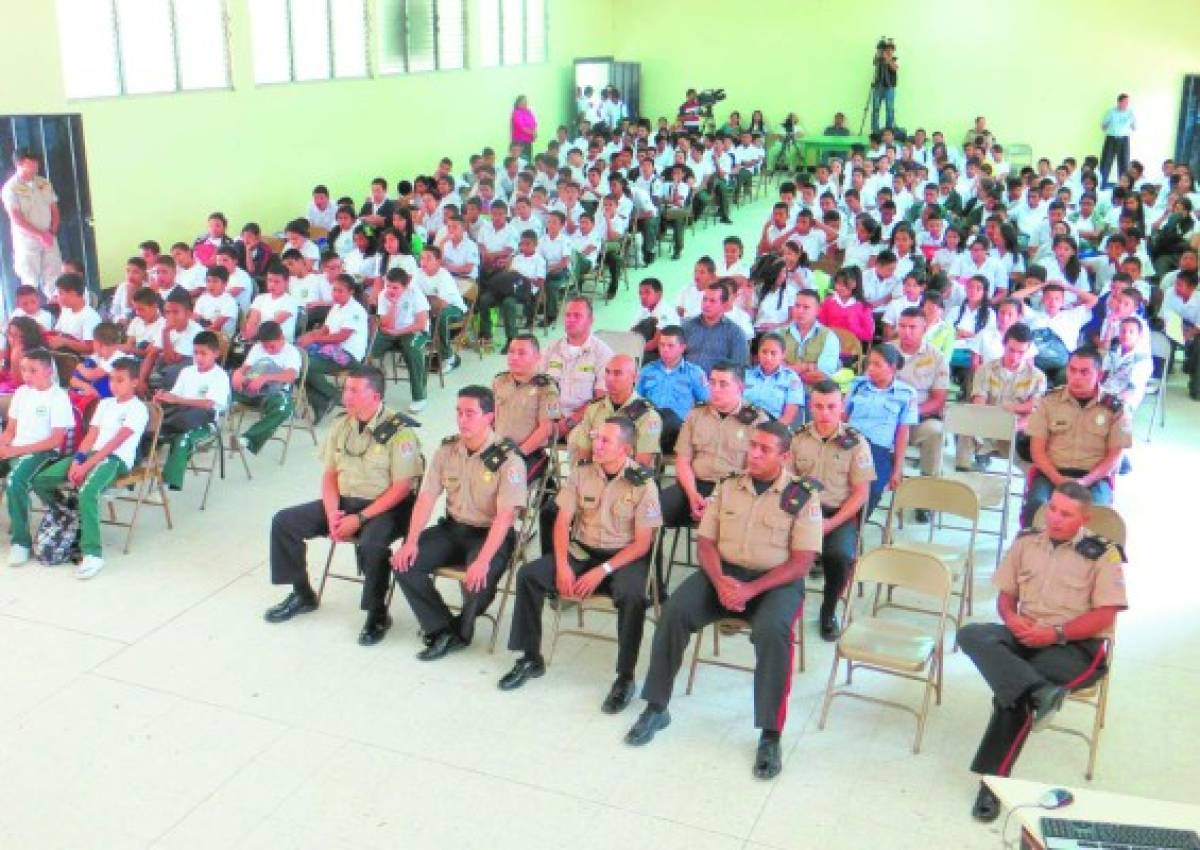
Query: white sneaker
[[452, 363], [89, 566], [417, 406], [18, 556]]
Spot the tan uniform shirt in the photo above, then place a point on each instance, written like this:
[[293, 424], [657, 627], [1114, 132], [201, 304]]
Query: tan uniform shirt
[[608, 512], [520, 408], [35, 201], [997, 385], [1078, 437], [1055, 584], [475, 493], [365, 466], [717, 444], [579, 370], [839, 461], [754, 531], [924, 371], [648, 423]]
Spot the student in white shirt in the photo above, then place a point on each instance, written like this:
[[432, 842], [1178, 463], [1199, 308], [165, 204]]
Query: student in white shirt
[[29, 305], [39, 418], [1128, 366], [404, 325], [1065, 322], [198, 397], [730, 264], [295, 234], [215, 309], [653, 313], [321, 213], [776, 297], [106, 453], [240, 285], [172, 351], [308, 289], [146, 326], [275, 305], [910, 296], [76, 319], [514, 290], [339, 344], [265, 381], [704, 273], [555, 250], [972, 317], [881, 284], [188, 273], [121, 305], [445, 299]]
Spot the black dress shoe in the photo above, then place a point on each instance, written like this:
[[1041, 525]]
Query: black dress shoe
[[643, 730], [829, 629], [619, 696], [1046, 702], [921, 516], [525, 669], [442, 645], [375, 629], [768, 761], [291, 606], [987, 807]]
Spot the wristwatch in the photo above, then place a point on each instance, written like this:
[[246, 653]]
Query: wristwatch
[[607, 567], [1061, 634], [362, 518]]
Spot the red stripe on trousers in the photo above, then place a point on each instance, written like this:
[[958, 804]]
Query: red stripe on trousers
[[781, 714]]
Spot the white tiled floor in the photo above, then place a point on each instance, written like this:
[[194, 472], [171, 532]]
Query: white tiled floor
[[153, 707]]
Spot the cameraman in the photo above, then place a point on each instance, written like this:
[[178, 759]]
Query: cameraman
[[883, 85], [689, 112]]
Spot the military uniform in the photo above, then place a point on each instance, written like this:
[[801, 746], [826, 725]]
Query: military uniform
[[840, 461], [1053, 583], [925, 371], [607, 513], [716, 444], [1078, 436], [578, 370], [646, 421], [998, 385], [368, 459], [477, 486], [756, 526], [521, 408], [35, 264]]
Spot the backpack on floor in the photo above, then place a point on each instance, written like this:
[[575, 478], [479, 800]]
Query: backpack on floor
[[57, 538]]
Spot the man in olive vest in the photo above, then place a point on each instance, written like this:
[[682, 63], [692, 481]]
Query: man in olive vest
[[809, 347]]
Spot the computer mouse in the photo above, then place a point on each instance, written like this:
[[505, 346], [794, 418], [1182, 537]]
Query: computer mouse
[[1056, 798]]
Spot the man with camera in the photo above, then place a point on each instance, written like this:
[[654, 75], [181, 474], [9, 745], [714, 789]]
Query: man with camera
[[883, 85]]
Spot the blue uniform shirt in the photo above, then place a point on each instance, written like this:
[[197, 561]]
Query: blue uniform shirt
[[877, 414], [773, 392], [678, 390]]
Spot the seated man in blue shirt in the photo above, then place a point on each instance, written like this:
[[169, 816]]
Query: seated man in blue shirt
[[672, 384], [712, 336], [810, 348]]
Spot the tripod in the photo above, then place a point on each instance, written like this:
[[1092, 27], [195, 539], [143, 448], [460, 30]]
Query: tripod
[[787, 148]]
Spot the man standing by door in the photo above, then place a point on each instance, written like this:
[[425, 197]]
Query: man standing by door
[[32, 208], [1117, 124]]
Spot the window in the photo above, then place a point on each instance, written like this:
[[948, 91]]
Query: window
[[298, 40], [421, 35], [115, 47], [512, 32]]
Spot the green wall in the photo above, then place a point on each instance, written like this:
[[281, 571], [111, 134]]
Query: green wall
[[1042, 72], [159, 164]]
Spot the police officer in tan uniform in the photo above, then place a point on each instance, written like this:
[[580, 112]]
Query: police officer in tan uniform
[[32, 207], [713, 442], [1076, 433], [758, 540], [526, 403], [1012, 382], [608, 511], [840, 458], [1059, 591], [576, 363], [926, 371], [483, 478], [620, 375], [373, 466]]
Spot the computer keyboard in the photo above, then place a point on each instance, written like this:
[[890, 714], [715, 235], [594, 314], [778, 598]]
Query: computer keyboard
[[1110, 836]]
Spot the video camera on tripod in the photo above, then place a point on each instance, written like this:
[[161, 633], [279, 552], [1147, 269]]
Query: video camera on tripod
[[707, 98]]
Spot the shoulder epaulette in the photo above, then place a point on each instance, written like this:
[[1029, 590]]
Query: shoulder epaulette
[[797, 493], [727, 476], [748, 415], [493, 456], [636, 409], [1027, 532], [638, 474], [387, 429], [541, 380], [1113, 403], [848, 440], [504, 374], [453, 438], [1094, 546]]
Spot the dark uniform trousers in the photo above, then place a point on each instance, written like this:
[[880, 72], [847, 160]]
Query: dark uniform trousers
[[291, 527], [837, 554], [676, 513], [695, 605], [451, 544], [671, 426], [1012, 670], [626, 586]]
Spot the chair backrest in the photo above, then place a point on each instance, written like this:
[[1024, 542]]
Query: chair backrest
[[848, 342], [223, 346], [1104, 521], [624, 342], [65, 364], [916, 571], [984, 421], [944, 495]]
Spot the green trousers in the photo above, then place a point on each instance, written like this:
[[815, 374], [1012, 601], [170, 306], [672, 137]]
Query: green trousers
[[47, 482], [723, 190], [180, 452], [273, 410], [556, 282], [676, 219], [412, 351], [441, 329], [21, 472], [322, 391]]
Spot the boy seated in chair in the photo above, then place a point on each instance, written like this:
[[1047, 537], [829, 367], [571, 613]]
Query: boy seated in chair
[[191, 407]]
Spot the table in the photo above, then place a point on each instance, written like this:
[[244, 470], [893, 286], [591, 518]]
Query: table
[[1089, 805], [818, 145]]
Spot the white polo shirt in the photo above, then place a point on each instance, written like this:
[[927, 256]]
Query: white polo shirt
[[466, 251], [268, 306], [350, 316], [412, 302], [440, 285], [111, 416], [209, 308], [212, 385], [78, 324], [38, 412]]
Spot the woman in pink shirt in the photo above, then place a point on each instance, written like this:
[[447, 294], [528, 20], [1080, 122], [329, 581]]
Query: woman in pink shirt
[[846, 308], [524, 125]]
